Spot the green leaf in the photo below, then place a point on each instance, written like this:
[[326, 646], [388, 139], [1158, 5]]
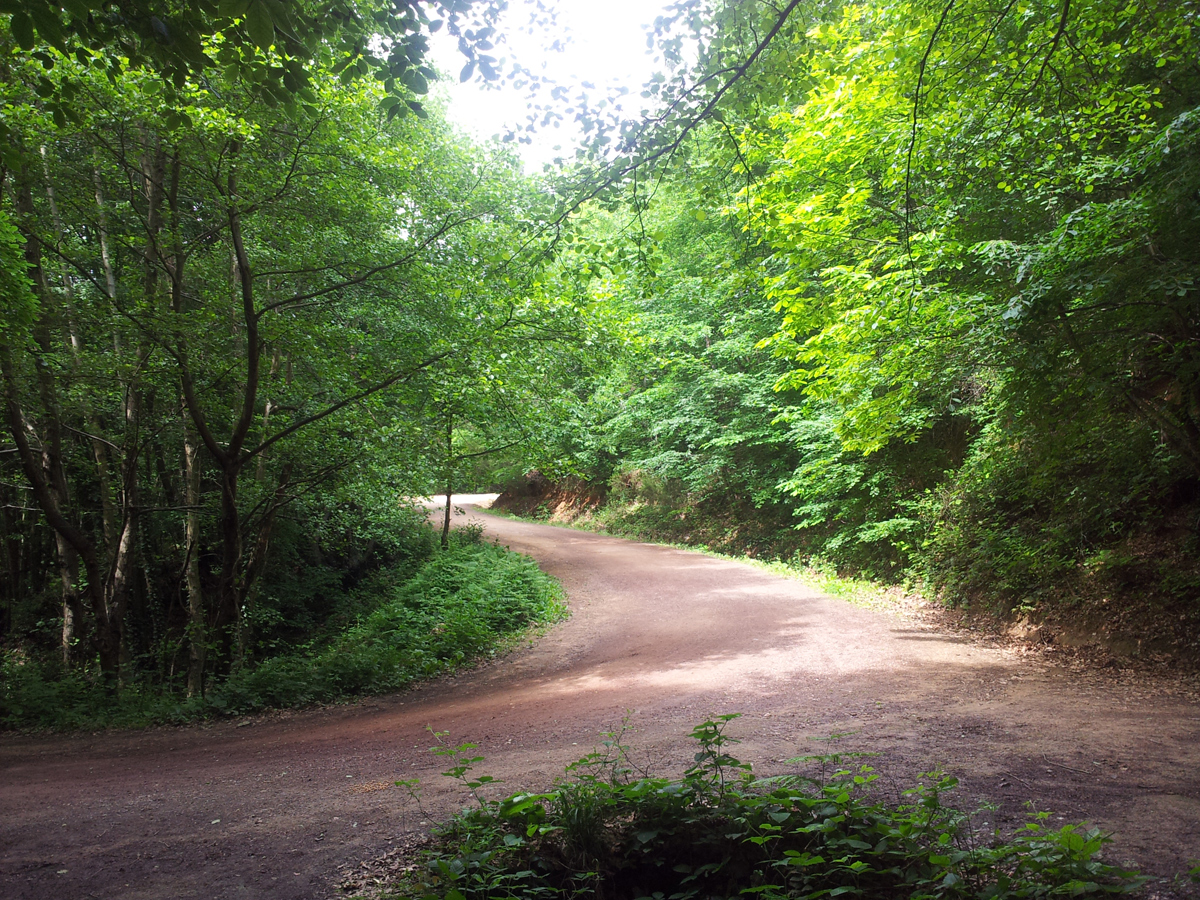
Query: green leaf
[[259, 25], [415, 82], [22, 30], [189, 48], [48, 24], [234, 8]]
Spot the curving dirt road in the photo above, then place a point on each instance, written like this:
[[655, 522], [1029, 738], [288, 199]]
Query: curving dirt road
[[278, 806]]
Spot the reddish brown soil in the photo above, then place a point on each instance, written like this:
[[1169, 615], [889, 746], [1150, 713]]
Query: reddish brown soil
[[280, 806]]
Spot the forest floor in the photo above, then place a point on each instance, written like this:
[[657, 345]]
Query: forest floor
[[303, 804]]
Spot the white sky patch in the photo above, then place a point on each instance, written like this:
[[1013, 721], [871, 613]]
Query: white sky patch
[[604, 44]]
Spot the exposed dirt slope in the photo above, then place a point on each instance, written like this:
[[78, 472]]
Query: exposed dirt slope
[[278, 806]]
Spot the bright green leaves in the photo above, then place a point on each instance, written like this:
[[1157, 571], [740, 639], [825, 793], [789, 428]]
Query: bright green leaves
[[1015, 250], [852, 296], [884, 311], [17, 301]]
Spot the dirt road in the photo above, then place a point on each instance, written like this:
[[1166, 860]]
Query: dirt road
[[274, 807]]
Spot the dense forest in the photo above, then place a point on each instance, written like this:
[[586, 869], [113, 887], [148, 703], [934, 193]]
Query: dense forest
[[907, 289], [917, 300]]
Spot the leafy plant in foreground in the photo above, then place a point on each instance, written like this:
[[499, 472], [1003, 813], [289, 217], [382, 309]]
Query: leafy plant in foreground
[[611, 830]]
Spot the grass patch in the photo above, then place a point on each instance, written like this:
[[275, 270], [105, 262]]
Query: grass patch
[[467, 603], [822, 576], [611, 830]]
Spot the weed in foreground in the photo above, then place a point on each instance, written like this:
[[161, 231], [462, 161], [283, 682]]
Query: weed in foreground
[[612, 830]]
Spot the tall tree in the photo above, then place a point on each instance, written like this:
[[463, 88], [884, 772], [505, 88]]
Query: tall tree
[[275, 285]]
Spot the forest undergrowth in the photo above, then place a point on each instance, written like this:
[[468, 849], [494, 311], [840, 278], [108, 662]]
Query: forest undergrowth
[[403, 624]]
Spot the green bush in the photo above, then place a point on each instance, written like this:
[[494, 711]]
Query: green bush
[[332, 562], [35, 693], [462, 604], [611, 831], [1037, 515], [459, 606]]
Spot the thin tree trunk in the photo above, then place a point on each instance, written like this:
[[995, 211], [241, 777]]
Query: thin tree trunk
[[48, 475], [99, 451], [195, 590], [68, 565], [449, 479], [227, 611], [260, 471], [44, 494], [122, 569], [110, 279], [197, 631], [69, 561], [258, 562], [231, 458]]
